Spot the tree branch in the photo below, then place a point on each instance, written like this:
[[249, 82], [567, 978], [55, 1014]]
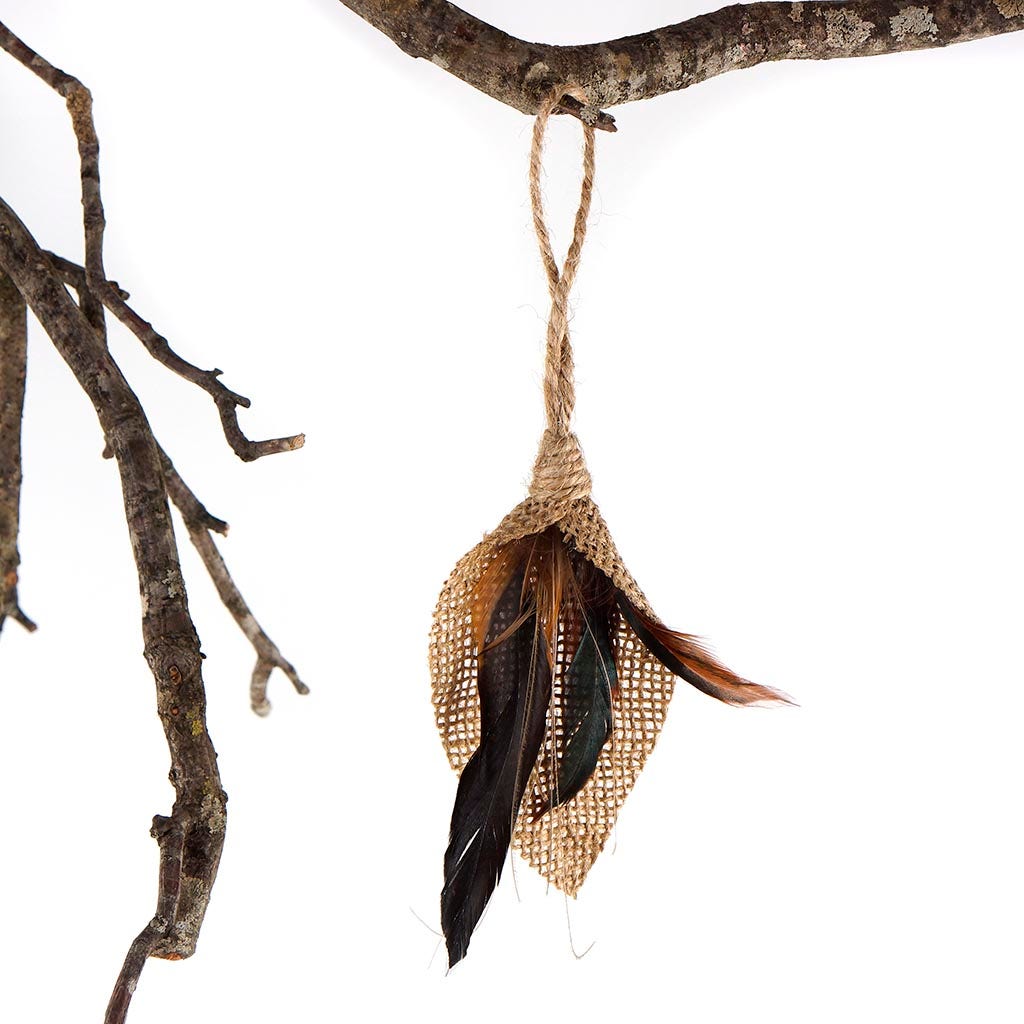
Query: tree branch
[[638, 67], [171, 643], [192, 838], [113, 297], [200, 524], [13, 335]]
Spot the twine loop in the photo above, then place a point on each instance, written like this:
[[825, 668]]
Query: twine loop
[[560, 473]]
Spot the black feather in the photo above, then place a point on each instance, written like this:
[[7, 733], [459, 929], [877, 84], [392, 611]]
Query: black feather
[[515, 688]]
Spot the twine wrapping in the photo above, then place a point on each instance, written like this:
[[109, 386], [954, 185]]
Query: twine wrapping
[[563, 843]]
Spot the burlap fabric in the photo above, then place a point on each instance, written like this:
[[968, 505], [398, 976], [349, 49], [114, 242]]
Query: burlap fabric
[[563, 843]]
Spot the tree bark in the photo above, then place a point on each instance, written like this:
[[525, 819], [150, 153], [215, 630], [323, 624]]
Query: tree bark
[[637, 67], [13, 337]]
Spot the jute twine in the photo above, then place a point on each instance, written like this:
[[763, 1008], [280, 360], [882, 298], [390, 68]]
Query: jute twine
[[560, 474], [564, 843]]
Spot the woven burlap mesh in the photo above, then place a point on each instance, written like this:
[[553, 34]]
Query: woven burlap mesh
[[563, 843]]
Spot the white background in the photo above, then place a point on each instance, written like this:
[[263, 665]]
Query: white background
[[798, 339]]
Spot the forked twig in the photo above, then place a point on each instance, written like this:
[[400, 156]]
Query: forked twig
[[200, 524]]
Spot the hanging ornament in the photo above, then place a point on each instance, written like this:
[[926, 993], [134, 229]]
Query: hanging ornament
[[551, 674]]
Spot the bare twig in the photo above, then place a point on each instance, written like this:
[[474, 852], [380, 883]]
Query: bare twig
[[638, 67], [73, 275], [13, 329], [111, 295], [79, 103], [171, 643], [200, 524]]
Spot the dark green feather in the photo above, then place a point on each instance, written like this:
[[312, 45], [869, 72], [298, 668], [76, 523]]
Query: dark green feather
[[586, 711]]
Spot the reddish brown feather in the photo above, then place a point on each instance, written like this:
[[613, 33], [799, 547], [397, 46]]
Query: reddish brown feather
[[552, 576], [491, 586], [695, 664], [547, 581]]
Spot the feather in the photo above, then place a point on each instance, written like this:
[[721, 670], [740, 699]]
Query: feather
[[552, 577], [586, 702], [514, 678], [682, 655], [491, 587]]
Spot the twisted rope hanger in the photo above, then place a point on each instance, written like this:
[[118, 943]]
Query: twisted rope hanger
[[560, 474]]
